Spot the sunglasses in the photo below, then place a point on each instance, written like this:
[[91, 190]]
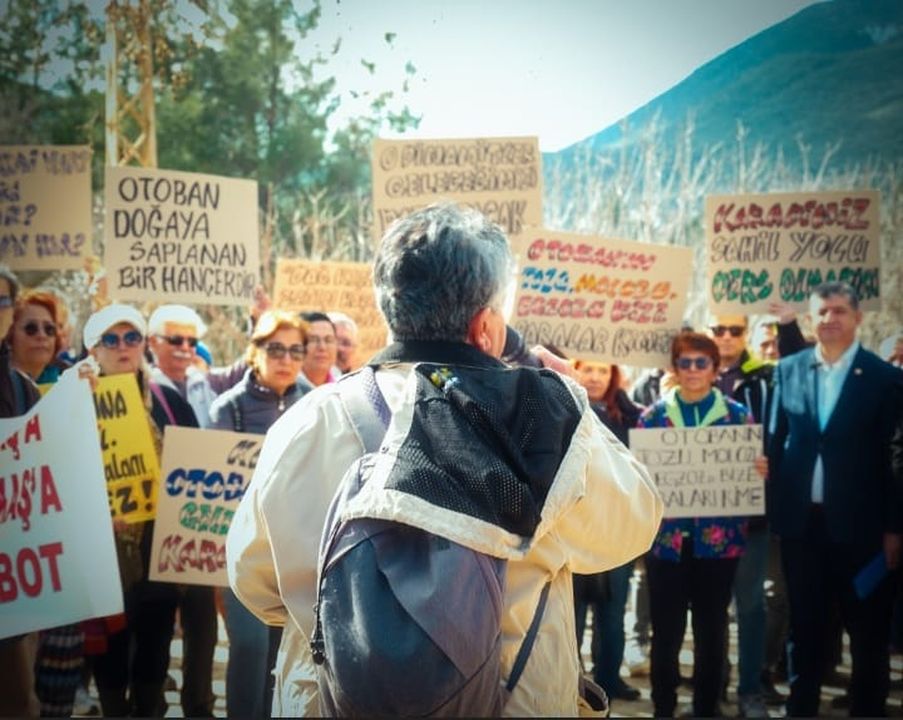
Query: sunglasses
[[179, 340], [701, 363], [131, 338], [735, 330], [276, 351], [33, 328], [317, 340]]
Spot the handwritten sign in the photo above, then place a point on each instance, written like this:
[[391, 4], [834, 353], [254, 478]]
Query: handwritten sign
[[57, 556], [130, 462], [325, 286], [45, 206], [704, 471], [780, 247], [500, 177], [205, 475], [181, 237], [600, 298]]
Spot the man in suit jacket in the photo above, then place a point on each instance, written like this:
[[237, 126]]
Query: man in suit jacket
[[833, 499]]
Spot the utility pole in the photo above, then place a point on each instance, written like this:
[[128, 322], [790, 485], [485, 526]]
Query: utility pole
[[131, 129]]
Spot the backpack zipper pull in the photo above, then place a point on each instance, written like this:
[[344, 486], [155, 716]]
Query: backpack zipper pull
[[317, 646]]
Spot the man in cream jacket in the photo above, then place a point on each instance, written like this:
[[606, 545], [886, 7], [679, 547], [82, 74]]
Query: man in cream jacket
[[440, 276]]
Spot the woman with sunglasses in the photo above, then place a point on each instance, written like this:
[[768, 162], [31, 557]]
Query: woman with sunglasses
[[131, 667], [35, 341], [34, 338], [606, 592], [693, 560], [270, 386]]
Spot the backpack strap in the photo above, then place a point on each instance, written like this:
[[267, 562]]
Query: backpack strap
[[366, 407], [238, 421], [520, 662], [164, 403], [18, 383]]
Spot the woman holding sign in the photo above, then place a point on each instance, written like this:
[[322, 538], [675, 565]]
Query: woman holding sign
[[693, 560], [131, 672], [269, 388]]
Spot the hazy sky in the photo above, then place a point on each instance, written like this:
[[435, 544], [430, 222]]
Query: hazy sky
[[561, 69]]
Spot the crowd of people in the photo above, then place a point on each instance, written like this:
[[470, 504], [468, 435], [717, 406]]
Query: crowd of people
[[529, 466]]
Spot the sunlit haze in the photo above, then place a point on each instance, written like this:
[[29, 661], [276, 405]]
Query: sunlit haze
[[561, 70]]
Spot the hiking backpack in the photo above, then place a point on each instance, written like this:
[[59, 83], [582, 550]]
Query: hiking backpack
[[408, 623]]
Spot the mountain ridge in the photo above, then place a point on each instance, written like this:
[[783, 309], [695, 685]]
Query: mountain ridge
[[830, 73]]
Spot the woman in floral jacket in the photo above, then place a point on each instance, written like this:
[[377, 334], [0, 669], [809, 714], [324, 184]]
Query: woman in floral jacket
[[693, 560]]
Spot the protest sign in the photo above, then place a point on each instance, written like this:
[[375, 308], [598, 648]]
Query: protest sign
[[500, 177], [599, 298], [325, 286], [205, 474], [45, 206], [704, 471], [57, 557], [180, 237], [779, 247], [130, 462]]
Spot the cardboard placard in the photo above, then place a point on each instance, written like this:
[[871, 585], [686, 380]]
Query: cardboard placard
[[500, 177], [600, 298], [780, 246], [327, 286], [57, 556], [130, 463], [704, 471], [205, 474], [180, 237], [45, 206]]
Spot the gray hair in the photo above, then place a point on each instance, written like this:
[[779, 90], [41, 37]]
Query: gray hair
[[830, 289], [437, 268], [180, 314], [340, 318]]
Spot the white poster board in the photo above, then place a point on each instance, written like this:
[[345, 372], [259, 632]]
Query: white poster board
[[180, 237], [45, 206], [704, 471], [57, 556], [781, 246], [600, 298], [205, 474]]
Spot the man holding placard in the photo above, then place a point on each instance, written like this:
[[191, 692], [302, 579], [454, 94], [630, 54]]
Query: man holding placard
[[174, 334], [834, 501]]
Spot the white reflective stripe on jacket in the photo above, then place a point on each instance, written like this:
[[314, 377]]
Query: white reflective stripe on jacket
[[601, 512]]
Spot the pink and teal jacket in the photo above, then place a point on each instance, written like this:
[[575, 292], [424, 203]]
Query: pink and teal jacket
[[713, 537]]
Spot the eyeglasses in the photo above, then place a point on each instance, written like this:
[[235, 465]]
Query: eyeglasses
[[317, 340], [276, 350], [32, 328], [735, 330], [131, 338], [701, 363], [5, 302], [179, 340]]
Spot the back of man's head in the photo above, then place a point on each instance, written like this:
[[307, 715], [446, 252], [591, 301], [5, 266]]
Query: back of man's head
[[437, 268]]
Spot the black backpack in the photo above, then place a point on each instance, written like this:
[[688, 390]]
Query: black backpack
[[407, 622]]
